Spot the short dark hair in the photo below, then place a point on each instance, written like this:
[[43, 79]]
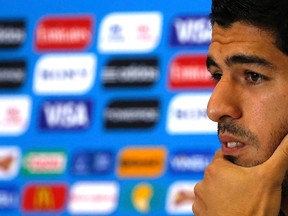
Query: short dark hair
[[269, 15]]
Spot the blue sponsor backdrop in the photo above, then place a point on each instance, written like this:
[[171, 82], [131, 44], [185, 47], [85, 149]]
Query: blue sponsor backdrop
[[75, 121]]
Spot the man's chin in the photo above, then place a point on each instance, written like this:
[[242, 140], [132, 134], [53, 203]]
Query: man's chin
[[239, 162]]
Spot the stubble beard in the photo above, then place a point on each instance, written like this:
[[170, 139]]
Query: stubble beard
[[275, 139]]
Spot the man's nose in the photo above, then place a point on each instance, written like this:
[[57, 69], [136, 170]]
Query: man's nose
[[225, 101]]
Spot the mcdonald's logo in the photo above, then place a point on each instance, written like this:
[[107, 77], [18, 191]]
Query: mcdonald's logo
[[44, 198]]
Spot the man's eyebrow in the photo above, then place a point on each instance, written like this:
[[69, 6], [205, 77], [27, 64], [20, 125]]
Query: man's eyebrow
[[248, 59], [210, 62]]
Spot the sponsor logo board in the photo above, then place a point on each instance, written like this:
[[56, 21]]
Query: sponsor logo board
[[187, 114], [132, 114], [12, 33], [65, 115], [64, 74], [125, 73], [9, 198], [142, 198], [191, 31], [180, 197], [14, 114], [189, 162], [141, 162], [44, 162], [93, 198], [12, 73], [189, 72], [10, 157], [92, 163], [130, 32], [44, 198], [64, 33]]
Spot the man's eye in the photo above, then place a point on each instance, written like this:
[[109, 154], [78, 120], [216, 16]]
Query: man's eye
[[216, 76], [254, 78]]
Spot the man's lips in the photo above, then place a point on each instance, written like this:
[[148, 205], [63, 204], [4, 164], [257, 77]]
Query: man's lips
[[231, 145]]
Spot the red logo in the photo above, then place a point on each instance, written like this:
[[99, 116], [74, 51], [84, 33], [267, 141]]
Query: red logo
[[64, 33], [189, 72], [44, 198]]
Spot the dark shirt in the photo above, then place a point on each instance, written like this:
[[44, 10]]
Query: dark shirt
[[281, 213]]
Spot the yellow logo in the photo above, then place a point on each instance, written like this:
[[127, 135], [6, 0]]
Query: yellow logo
[[141, 197], [43, 198]]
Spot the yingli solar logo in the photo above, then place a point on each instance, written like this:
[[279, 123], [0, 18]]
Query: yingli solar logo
[[189, 72], [64, 33], [142, 162]]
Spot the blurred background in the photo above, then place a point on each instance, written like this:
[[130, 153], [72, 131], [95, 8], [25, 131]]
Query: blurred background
[[103, 106]]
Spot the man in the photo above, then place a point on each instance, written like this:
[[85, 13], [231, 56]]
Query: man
[[248, 58]]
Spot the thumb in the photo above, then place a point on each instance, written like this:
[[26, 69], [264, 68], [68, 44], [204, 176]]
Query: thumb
[[277, 164]]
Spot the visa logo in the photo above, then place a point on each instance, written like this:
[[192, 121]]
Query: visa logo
[[65, 115], [191, 31]]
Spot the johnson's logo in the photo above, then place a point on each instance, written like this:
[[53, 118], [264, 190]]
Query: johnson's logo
[[189, 72], [65, 115], [191, 31], [64, 33], [44, 198], [64, 74]]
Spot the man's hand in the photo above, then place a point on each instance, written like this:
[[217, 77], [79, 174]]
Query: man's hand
[[231, 190]]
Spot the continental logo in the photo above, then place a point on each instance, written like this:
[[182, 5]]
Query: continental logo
[[189, 72], [191, 31], [12, 33], [130, 73], [40, 162], [12, 73], [141, 162], [44, 198], [64, 33], [133, 114]]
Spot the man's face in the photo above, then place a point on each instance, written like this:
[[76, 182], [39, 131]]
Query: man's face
[[250, 100]]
